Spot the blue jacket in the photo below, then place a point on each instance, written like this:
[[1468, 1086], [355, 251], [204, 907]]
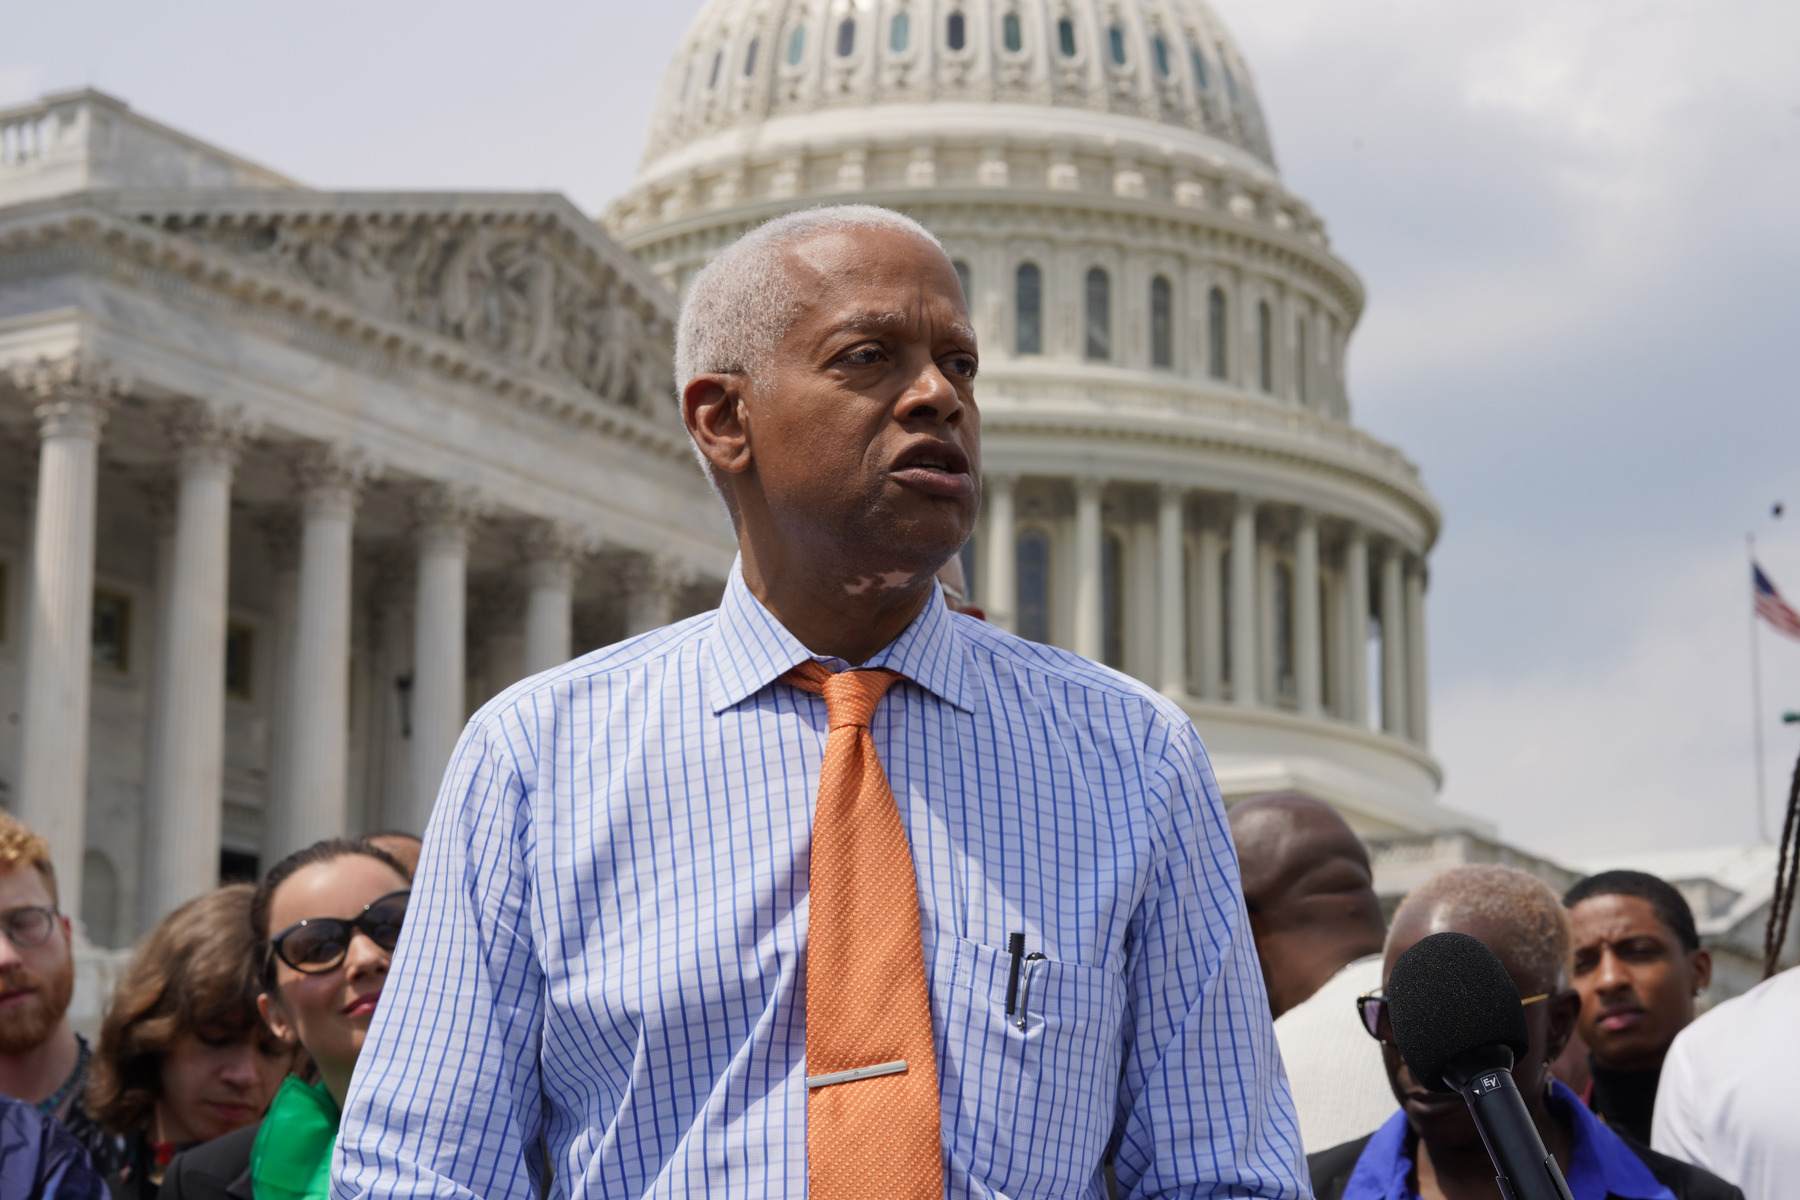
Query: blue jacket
[[40, 1160]]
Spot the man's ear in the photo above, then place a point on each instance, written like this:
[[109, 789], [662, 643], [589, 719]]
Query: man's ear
[[1701, 961], [1565, 1008], [712, 408]]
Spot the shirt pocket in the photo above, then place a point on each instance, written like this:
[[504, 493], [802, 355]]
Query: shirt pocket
[[1027, 1111]]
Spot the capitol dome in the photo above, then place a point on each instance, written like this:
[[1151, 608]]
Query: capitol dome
[[1173, 484]]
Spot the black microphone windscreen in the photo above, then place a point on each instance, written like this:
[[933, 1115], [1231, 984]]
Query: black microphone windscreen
[[1448, 995]]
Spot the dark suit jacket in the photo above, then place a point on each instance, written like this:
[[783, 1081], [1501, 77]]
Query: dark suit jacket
[[215, 1170], [1331, 1172]]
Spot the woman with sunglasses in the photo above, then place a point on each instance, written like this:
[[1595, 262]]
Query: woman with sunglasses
[[328, 918], [1431, 1150]]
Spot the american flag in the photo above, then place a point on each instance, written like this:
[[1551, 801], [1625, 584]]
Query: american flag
[[1771, 607]]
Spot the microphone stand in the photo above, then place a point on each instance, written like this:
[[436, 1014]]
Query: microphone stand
[[1527, 1171]]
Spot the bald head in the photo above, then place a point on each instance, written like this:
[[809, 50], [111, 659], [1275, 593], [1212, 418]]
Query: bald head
[[1310, 892]]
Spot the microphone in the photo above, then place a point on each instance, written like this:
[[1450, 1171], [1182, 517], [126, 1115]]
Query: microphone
[[1460, 1027]]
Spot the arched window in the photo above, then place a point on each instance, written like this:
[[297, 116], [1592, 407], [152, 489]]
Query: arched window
[[962, 277], [956, 31], [1284, 629], [1265, 347], [100, 898], [1199, 64], [687, 80], [1116, 36], [1162, 323], [1065, 37], [1162, 56], [899, 32], [712, 81], [1034, 585], [1028, 308], [1230, 83], [1112, 601], [796, 46], [1098, 312], [846, 43], [1215, 333], [1300, 360], [750, 56], [1011, 33]]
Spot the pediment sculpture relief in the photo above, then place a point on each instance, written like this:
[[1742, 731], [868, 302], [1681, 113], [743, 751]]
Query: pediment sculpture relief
[[504, 289]]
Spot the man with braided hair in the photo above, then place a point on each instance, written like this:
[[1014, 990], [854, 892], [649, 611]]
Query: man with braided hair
[[1431, 1148]]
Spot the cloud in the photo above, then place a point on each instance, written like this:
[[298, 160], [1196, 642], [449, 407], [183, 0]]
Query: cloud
[[18, 84], [1648, 749], [1574, 220]]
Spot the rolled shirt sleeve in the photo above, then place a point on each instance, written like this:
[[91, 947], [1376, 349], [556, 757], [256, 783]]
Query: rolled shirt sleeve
[[446, 1099]]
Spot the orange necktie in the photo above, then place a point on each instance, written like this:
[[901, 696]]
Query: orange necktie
[[873, 1126]]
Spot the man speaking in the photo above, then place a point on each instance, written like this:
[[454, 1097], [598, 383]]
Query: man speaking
[[831, 892]]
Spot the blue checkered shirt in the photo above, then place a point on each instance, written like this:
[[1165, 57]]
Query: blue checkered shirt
[[605, 957]]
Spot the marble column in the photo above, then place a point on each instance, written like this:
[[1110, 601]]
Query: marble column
[[445, 518], [1393, 643], [281, 530], [1000, 596], [653, 584], [1246, 661], [1309, 675], [1417, 694], [330, 478], [551, 552], [1088, 634], [1171, 612], [1356, 626], [184, 830], [72, 398], [1211, 615]]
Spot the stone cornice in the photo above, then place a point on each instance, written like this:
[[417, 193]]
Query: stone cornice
[[118, 233], [1209, 711]]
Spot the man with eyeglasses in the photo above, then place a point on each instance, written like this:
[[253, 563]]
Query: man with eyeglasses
[[1431, 1148], [43, 1061]]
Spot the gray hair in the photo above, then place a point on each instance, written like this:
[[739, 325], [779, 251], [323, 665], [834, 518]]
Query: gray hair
[[1536, 938], [743, 302]]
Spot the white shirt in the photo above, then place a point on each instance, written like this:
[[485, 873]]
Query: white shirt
[[1334, 1067], [1729, 1097]]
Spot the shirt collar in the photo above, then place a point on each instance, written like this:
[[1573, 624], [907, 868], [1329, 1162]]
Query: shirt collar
[[1600, 1164], [751, 649]]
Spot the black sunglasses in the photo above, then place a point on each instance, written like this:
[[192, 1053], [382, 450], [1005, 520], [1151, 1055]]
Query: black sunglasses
[[1372, 1007], [318, 944]]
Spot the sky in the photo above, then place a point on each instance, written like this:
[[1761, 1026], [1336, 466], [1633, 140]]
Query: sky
[[1575, 220]]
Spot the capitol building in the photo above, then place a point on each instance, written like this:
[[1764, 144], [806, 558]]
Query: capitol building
[[1173, 482], [292, 480]]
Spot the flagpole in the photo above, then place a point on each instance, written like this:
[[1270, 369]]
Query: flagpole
[[1756, 719]]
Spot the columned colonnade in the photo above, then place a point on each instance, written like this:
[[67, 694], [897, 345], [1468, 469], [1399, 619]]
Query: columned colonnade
[[1314, 588], [307, 794]]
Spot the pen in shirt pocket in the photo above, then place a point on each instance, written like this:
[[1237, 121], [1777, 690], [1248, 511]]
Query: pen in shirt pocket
[[1019, 1003]]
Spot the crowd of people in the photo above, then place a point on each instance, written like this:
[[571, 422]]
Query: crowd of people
[[227, 1051], [1017, 947]]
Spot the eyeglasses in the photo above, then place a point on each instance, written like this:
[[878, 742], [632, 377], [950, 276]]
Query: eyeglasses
[[1372, 1007], [319, 944], [29, 926]]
